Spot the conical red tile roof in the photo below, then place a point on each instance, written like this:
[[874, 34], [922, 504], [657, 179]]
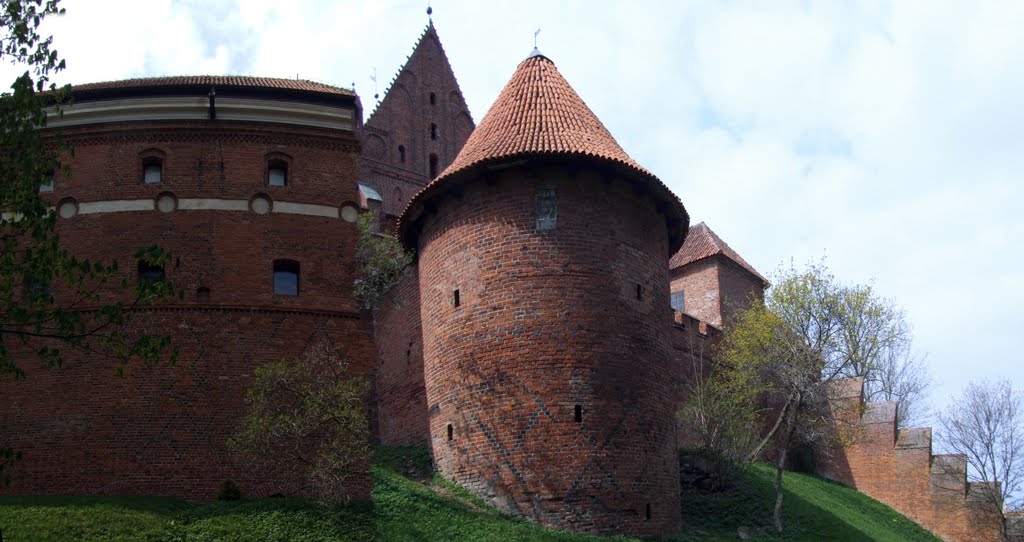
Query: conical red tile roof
[[538, 115]]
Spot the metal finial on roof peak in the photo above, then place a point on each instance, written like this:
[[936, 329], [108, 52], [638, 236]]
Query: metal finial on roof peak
[[430, 13], [535, 52]]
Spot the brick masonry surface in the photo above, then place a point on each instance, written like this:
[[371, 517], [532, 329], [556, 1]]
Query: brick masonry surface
[[897, 467], [549, 324], [162, 430]]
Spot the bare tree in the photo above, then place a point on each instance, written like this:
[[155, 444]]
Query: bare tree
[[986, 424], [903, 377]]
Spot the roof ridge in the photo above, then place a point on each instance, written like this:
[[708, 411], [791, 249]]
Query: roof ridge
[[223, 80], [701, 243]]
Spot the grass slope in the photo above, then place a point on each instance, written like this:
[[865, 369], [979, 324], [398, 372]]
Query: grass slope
[[408, 505]]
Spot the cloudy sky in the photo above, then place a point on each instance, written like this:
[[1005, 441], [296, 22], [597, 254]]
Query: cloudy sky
[[887, 137]]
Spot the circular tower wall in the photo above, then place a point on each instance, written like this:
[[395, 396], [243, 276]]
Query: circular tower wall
[[545, 311]]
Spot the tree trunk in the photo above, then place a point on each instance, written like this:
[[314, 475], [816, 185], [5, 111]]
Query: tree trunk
[[778, 490], [771, 433]]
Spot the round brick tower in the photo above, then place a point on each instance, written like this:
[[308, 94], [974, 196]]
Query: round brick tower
[[545, 310]]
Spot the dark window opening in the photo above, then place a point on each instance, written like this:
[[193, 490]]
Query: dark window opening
[[401, 153], [152, 170], [433, 166], [286, 277], [433, 131], [177, 262], [455, 298], [150, 272], [639, 291], [408, 354], [579, 413], [648, 511], [38, 292], [433, 99], [678, 301], [203, 295], [451, 432], [277, 173], [47, 184]]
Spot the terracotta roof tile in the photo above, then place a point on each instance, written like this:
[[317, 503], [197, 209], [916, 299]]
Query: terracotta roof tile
[[223, 80], [538, 114], [703, 243]]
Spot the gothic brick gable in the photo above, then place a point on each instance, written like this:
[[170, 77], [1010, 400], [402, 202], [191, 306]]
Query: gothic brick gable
[[418, 128]]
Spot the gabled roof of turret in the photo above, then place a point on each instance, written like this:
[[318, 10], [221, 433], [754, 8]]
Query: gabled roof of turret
[[703, 243], [539, 115]]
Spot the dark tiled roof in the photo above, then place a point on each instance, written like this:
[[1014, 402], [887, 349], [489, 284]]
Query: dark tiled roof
[[222, 80], [539, 115], [703, 243]]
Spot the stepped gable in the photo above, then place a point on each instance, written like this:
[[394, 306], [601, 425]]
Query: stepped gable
[[538, 115], [703, 243]]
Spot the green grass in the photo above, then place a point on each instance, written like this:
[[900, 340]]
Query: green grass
[[408, 506]]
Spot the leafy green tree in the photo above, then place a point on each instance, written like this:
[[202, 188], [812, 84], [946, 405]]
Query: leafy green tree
[[49, 299], [810, 332], [381, 259], [306, 419]]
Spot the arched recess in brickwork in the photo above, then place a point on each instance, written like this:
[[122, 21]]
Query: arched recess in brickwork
[[463, 126], [455, 99], [375, 146]]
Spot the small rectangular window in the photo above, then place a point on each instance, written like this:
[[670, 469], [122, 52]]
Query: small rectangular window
[[451, 432], [152, 171], [546, 208], [47, 184], [579, 413], [679, 301], [286, 277], [150, 273], [639, 292], [456, 300]]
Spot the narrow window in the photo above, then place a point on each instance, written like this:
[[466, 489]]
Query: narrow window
[[433, 131], [433, 99], [579, 413], [150, 272], [455, 298], [47, 184], [152, 170], [639, 291], [648, 514], [286, 277], [433, 166], [203, 295], [678, 301], [451, 432], [277, 173], [401, 153], [408, 355]]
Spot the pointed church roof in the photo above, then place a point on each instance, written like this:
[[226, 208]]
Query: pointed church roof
[[538, 115], [702, 243]]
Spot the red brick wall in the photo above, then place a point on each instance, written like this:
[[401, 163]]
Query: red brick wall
[[699, 283], [162, 430], [898, 469], [403, 118], [737, 288], [549, 320], [401, 396]]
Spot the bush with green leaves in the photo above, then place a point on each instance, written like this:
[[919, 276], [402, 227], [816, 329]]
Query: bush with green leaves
[[306, 419], [381, 259]]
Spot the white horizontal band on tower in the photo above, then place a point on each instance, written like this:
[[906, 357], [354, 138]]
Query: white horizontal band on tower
[[205, 204]]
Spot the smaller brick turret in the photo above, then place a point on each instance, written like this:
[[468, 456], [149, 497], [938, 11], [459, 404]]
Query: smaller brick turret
[[546, 323]]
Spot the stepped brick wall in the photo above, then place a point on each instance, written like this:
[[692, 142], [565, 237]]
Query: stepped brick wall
[[896, 466]]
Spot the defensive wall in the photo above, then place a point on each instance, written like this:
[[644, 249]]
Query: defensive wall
[[896, 466]]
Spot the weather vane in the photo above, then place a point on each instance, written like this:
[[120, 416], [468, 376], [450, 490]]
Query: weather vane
[[535, 38], [430, 12], [374, 79]]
